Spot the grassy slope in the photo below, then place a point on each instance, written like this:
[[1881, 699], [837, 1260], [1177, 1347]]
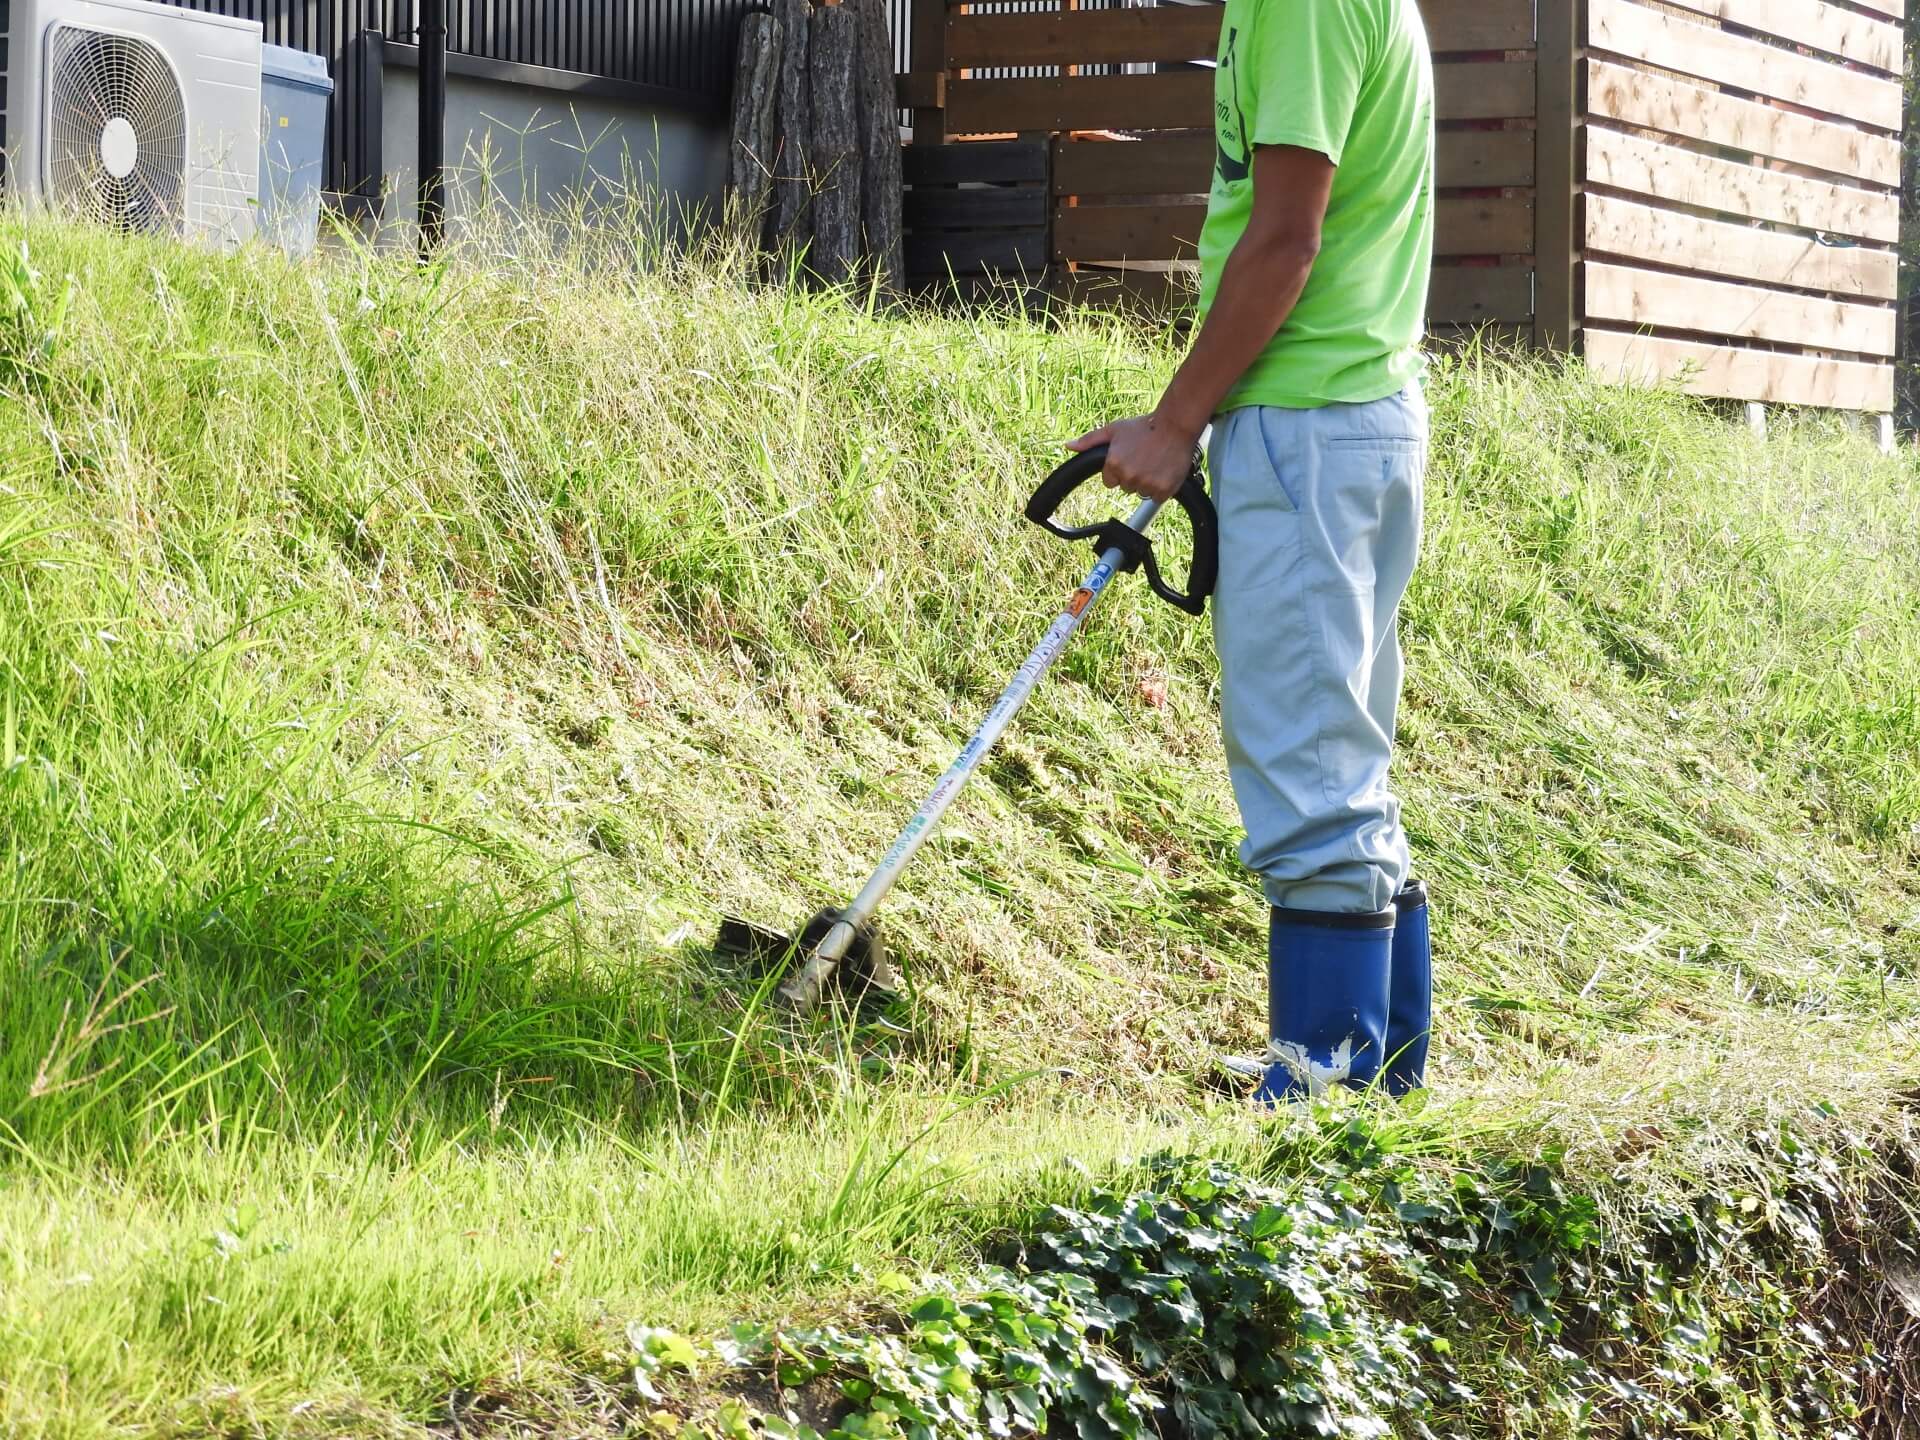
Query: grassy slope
[[401, 670]]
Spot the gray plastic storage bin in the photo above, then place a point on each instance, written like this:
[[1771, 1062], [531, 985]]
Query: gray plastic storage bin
[[295, 94]]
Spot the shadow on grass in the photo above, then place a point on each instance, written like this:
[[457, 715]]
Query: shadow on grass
[[281, 1017]]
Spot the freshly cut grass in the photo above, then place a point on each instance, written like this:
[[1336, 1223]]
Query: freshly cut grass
[[400, 670]]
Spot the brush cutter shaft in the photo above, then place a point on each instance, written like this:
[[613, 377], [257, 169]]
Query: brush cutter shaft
[[833, 936], [1004, 709]]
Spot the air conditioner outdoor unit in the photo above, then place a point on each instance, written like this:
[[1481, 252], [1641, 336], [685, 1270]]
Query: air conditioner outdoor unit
[[135, 115]]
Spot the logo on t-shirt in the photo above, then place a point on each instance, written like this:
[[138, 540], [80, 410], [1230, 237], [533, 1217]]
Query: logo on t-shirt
[[1229, 120]]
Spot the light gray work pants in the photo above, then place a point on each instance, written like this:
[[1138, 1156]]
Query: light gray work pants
[[1319, 531]]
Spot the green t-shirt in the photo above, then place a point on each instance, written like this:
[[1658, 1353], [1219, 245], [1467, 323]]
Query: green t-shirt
[[1351, 79]]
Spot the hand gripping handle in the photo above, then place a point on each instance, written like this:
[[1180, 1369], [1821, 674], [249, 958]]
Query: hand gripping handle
[[1117, 534]]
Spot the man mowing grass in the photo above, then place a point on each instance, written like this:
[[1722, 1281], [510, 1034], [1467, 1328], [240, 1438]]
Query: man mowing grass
[[1314, 261]]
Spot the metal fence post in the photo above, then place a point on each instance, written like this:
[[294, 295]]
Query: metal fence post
[[433, 125]]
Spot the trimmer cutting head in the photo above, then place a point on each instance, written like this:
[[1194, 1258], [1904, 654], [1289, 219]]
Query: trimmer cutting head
[[862, 971]]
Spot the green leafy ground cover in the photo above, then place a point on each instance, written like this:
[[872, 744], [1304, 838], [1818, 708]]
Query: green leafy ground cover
[[400, 670], [1345, 1302]]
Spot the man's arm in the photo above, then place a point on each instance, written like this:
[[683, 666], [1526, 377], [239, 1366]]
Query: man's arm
[[1259, 286]]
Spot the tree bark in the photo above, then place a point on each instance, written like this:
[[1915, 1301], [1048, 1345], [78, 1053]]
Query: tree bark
[[834, 153], [790, 221], [756, 86], [879, 144]]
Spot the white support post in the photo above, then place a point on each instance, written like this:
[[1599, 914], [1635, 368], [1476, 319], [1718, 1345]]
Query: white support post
[[1886, 434], [1757, 419]]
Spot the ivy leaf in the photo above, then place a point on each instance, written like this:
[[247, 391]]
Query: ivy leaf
[[656, 1351], [996, 1407], [1270, 1220], [935, 1308], [744, 1345], [1026, 1400], [1026, 1368], [1545, 1276], [1151, 1354], [1181, 1311], [1690, 1335], [870, 1426]]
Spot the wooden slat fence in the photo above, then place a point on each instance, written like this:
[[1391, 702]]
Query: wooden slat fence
[[1740, 170], [1130, 151], [1705, 190], [977, 210]]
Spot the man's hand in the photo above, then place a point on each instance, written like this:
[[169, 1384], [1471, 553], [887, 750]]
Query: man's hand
[[1148, 455]]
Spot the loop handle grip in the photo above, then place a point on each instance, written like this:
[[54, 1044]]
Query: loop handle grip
[[1202, 575], [1068, 476]]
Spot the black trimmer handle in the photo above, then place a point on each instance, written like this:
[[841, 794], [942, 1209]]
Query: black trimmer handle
[[1117, 534], [1068, 477]]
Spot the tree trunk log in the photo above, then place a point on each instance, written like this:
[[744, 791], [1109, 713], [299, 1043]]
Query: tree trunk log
[[834, 153], [879, 144], [790, 221], [756, 86]]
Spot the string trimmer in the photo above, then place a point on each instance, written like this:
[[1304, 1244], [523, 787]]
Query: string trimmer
[[845, 941]]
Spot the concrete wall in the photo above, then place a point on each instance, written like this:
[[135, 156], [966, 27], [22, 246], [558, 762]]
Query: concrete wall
[[524, 136]]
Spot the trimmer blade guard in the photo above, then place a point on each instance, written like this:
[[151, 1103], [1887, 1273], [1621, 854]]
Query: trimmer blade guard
[[864, 970], [748, 941]]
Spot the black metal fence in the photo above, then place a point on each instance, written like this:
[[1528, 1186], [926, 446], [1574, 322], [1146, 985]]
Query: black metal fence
[[682, 48]]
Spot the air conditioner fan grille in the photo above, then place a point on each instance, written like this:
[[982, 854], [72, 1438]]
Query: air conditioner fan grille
[[116, 143]]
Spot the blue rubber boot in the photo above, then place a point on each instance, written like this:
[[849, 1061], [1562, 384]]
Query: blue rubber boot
[[1327, 984], [1410, 995]]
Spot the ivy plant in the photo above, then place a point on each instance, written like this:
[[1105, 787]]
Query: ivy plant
[[1353, 1291]]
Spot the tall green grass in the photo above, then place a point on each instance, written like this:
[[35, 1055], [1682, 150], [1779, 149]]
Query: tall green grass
[[400, 669]]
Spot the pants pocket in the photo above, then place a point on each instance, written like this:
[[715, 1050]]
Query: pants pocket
[[1259, 512]]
